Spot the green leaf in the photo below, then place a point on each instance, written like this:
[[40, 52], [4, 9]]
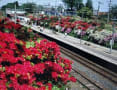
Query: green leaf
[[3, 69], [49, 81], [32, 64], [7, 83], [28, 57], [27, 44], [30, 44], [17, 75], [55, 88], [6, 30], [38, 40]]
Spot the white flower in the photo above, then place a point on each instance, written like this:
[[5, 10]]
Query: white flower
[[78, 31], [41, 23], [100, 35], [90, 31], [46, 23], [58, 27]]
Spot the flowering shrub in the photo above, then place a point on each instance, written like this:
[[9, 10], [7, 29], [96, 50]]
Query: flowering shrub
[[8, 25], [21, 32], [36, 67], [63, 24]]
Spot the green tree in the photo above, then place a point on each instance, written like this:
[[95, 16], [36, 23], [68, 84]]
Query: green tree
[[89, 4], [29, 7], [114, 11], [11, 5], [73, 4], [85, 12], [59, 8], [40, 7]]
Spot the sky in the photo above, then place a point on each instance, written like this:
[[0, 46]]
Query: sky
[[103, 6]]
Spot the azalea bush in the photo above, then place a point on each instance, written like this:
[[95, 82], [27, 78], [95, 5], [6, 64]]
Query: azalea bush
[[21, 32], [32, 65]]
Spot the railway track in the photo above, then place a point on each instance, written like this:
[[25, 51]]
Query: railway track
[[83, 78]]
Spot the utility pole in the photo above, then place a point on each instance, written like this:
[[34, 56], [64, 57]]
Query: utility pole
[[15, 14], [98, 9], [113, 32], [56, 2], [108, 19]]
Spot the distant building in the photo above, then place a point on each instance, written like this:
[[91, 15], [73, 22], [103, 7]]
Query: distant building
[[12, 12], [95, 13], [103, 13]]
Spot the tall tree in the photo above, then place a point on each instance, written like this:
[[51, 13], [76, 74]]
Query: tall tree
[[11, 5], [85, 12], [59, 8], [29, 7], [114, 11], [89, 4], [40, 7], [73, 4]]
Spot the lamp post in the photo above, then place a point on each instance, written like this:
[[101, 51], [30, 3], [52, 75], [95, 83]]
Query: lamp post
[[108, 18], [113, 32], [56, 11]]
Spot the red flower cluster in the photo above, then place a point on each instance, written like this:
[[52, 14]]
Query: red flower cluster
[[82, 25], [68, 24], [31, 68], [8, 24]]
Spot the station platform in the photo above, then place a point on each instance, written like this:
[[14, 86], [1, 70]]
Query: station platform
[[91, 48]]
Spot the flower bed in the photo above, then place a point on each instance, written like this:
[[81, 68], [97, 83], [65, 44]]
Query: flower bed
[[30, 65], [90, 31]]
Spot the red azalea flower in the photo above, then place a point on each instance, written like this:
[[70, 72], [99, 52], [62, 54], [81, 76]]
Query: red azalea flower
[[42, 88], [8, 27], [3, 44], [65, 78], [48, 64], [3, 85], [18, 20], [79, 27], [73, 79], [39, 83], [39, 68], [54, 75], [57, 68], [49, 86], [12, 46]]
